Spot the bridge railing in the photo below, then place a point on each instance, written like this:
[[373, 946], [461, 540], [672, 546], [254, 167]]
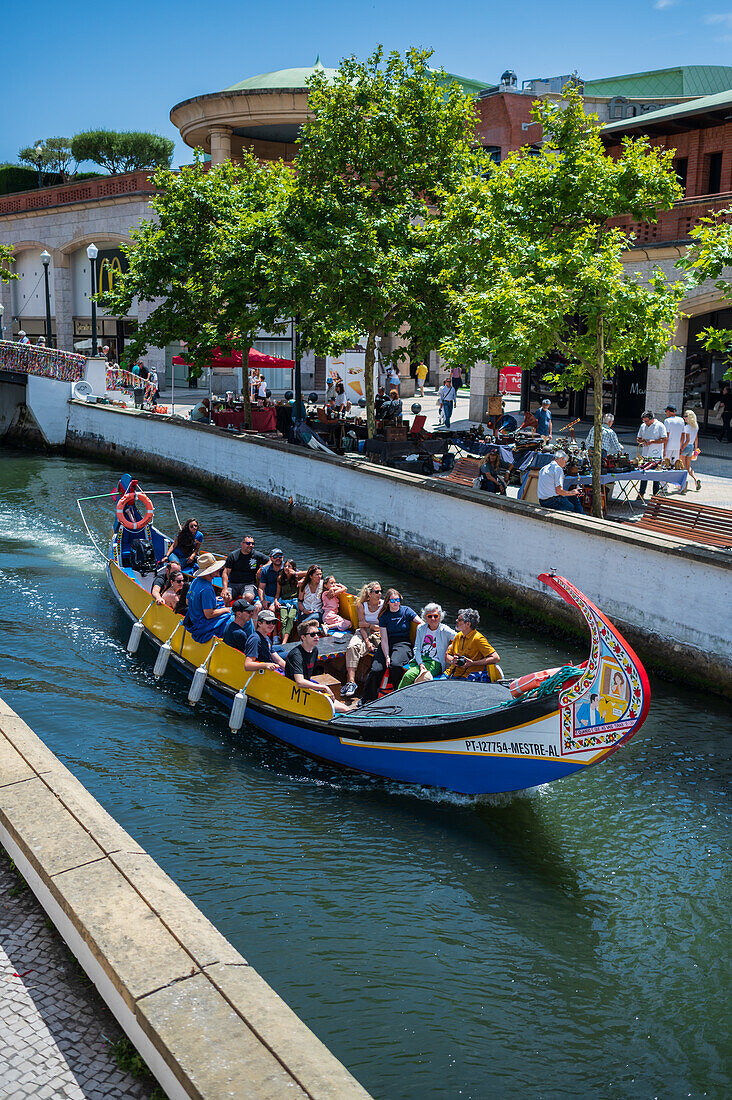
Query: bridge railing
[[64, 366]]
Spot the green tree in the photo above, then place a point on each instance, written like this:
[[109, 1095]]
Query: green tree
[[203, 259], [54, 155], [535, 240], [709, 254], [123, 152], [359, 251]]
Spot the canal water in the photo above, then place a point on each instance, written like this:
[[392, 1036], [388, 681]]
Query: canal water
[[570, 940]]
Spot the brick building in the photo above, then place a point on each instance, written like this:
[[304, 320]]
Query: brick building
[[700, 133]]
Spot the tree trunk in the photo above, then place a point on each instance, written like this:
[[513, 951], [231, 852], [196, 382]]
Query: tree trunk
[[245, 390], [369, 383], [598, 376]]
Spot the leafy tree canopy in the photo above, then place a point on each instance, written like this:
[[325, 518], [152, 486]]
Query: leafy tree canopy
[[710, 257], [54, 155], [203, 260], [383, 145], [534, 240], [7, 259], [123, 151]]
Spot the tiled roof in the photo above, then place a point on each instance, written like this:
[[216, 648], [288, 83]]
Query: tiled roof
[[685, 80]]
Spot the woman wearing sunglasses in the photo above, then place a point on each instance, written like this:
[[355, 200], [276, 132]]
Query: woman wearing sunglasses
[[172, 590], [395, 625], [430, 647]]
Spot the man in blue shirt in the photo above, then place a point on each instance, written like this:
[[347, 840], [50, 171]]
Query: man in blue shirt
[[241, 626], [544, 418], [206, 617], [258, 648]]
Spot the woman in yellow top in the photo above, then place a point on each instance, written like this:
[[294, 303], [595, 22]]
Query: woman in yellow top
[[470, 655]]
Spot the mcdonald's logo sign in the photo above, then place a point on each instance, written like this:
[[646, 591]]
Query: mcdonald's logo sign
[[109, 265]]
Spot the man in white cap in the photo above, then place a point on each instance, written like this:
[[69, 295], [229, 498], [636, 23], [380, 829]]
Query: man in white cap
[[206, 617], [544, 418], [258, 648]]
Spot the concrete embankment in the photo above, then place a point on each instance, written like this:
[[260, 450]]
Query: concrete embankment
[[669, 596], [208, 1026]]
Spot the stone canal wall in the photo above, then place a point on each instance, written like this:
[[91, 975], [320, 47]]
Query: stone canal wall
[[207, 1025], [668, 596]]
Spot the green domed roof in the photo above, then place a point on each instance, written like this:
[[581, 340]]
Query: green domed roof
[[281, 78]]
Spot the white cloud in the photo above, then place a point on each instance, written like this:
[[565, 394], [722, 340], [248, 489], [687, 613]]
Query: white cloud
[[722, 19], [661, 5]]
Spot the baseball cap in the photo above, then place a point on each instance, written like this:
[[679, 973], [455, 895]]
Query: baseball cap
[[546, 401], [276, 553], [266, 617], [671, 408]]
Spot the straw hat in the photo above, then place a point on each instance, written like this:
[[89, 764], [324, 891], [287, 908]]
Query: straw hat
[[208, 565]]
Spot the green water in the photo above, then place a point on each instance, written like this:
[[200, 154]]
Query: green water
[[571, 940]]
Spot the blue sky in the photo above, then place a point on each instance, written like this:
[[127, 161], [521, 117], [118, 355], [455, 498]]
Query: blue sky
[[71, 66]]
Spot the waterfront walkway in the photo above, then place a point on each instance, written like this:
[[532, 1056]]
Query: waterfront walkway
[[55, 1032]]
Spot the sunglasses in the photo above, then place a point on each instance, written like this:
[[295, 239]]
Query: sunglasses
[[395, 599], [432, 615], [311, 634], [178, 580]]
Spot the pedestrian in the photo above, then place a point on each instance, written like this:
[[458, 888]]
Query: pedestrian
[[105, 352], [609, 441], [550, 487], [22, 338], [446, 400], [689, 449], [421, 376], [675, 428], [395, 380], [140, 372], [456, 377], [544, 418], [725, 400], [153, 382], [651, 439], [41, 342]]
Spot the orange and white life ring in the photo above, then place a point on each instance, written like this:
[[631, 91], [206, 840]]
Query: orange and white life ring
[[141, 501], [529, 682]]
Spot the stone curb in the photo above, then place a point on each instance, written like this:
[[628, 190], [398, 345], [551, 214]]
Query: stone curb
[[208, 1026]]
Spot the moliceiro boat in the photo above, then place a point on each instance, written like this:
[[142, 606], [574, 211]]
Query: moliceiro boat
[[473, 738]]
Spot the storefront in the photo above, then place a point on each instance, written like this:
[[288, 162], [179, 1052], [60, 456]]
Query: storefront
[[705, 370]]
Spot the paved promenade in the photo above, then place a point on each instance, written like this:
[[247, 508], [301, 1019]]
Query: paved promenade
[[54, 1029]]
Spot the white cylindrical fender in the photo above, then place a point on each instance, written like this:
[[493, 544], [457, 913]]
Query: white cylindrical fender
[[135, 635], [199, 679], [238, 709], [161, 661]]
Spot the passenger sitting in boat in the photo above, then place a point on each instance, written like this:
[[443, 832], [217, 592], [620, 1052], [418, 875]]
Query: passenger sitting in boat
[[301, 662], [395, 623], [241, 572], [290, 578], [241, 626], [206, 618], [310, 595], [172, 589], [186, 544], [332, 618], [163, 578], [269, 581], [430, 647], [366, 638], [470, 656], [182, 605], [258, 648]]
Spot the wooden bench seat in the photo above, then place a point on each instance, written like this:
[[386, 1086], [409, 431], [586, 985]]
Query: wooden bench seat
[[465, 471], [686, 520]]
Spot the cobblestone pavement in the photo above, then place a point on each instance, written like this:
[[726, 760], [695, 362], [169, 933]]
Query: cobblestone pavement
[[54, 1029]]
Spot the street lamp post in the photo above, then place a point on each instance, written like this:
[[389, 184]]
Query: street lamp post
[[2, 327], [45, 260], [39, 162], [92, 252]]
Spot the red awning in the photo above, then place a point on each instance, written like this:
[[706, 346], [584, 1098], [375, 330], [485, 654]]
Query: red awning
[[256, 359]]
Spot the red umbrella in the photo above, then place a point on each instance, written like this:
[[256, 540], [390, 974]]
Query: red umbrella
[[256, 359]]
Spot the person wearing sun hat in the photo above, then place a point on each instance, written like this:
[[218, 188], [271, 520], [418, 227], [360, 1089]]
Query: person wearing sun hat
[[206, 617]]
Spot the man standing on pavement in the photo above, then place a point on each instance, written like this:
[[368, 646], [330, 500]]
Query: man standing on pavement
[[446, 400], [725, 400], [550, 487], [651, 439], [675, 428], [544, 418], [241, 569], [258, 648]]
